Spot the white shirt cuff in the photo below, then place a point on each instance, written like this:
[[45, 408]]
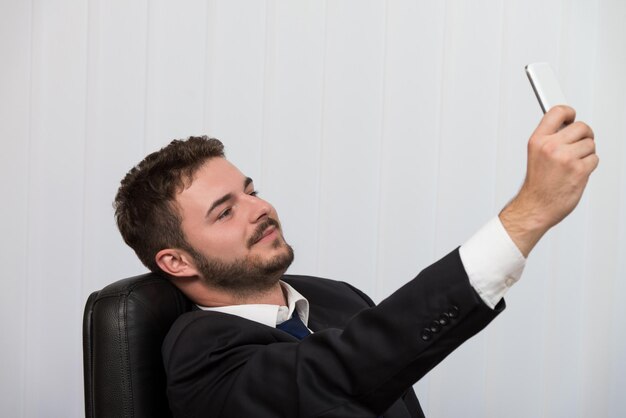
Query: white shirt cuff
[[492, 262]]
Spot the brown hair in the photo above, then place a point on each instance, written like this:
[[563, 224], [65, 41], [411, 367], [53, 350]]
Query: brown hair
[[144, 206]]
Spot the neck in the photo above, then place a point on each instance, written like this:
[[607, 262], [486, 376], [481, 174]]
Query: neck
[[204, 295]]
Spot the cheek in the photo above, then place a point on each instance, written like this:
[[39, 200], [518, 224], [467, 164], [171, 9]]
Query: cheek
[[226, 240]]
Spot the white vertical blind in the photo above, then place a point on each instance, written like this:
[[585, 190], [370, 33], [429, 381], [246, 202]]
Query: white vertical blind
[[385, 133], [54, 207], [350, 142], [15, 86]]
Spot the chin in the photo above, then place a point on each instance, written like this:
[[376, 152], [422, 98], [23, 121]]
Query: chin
[[279, 263]]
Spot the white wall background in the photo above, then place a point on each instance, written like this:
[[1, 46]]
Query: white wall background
[[385, 132]]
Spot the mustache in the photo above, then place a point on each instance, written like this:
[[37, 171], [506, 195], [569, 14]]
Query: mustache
[[260, 230]]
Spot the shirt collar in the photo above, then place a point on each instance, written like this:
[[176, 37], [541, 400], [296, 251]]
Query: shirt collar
[[269, 315]]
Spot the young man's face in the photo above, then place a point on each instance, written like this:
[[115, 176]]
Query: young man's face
[[236, 235]]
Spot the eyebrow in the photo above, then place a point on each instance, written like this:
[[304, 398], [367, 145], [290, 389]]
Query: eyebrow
[[227, 197]]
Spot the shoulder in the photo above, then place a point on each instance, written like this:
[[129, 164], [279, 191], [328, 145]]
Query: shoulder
[[198, 323], [209, 332]]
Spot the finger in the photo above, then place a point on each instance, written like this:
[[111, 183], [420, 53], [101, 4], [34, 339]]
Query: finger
[[583, 148], [591, 162], [575, 132], [554, 119]]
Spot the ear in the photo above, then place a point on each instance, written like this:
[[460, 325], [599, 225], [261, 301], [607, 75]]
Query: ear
[[176, 263]]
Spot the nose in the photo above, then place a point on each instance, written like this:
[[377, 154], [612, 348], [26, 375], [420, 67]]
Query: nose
[[259, 208]]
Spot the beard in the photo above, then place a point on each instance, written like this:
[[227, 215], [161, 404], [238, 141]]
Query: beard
[[248, 275]]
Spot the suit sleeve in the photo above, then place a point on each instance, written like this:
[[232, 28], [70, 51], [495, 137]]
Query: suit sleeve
[[223, 366]]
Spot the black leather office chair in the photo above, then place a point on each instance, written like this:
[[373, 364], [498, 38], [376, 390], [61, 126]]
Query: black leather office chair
[[123, 328]]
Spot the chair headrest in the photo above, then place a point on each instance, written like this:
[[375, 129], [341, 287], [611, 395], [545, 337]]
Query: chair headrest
[[123, 329]]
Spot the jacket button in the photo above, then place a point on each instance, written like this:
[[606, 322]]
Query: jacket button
[[443, 319], [426, 334], [435, 327], [453, 312]]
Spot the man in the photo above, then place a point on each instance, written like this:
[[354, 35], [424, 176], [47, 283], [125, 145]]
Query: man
[[248, 350]]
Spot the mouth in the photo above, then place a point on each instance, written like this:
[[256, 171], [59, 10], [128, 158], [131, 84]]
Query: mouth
[[266, 231], [269, 232]]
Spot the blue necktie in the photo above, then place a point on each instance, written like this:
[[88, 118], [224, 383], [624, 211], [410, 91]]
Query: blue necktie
[[295, 327]]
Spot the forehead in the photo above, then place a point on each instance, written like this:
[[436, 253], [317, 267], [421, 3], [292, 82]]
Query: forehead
[[216, 172], [213, 179]]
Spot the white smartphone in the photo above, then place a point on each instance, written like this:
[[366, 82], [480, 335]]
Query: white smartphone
[[545, 85]]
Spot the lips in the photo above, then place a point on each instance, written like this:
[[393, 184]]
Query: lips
[[264, 229], [267, 232]]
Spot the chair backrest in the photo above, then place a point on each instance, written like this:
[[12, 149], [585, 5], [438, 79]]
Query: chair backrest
[[123, 329]]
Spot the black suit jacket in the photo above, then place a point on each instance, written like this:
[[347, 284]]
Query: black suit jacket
[[361, 361]]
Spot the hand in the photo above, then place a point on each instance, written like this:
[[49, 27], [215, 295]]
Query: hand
[[558, 168]]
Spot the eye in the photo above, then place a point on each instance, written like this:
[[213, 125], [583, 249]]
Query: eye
[[225, 214], [254, 193]]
